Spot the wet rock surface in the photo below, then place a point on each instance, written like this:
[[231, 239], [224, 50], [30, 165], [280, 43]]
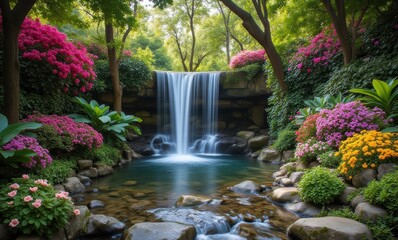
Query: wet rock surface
[[160, 231]]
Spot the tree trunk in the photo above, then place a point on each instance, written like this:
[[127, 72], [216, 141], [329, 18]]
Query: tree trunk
[[192, 28], [262, 36], [113, 67], [11, 70]]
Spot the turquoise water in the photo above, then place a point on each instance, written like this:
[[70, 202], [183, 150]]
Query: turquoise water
[[175, 175]]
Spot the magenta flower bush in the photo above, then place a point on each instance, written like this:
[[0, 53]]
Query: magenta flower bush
[[50, 62], [246, 57], [321, 49], [42, 158], [63, 133], [34, 206], [336, 125], [310, 149]]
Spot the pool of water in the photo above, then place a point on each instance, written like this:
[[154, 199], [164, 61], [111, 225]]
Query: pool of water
[[147, 189]]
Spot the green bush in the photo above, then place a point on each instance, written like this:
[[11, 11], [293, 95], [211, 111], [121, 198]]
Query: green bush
[[329, 160], [320, 186], [286, 140], [133, 74], [251, 70], [58, 171], [384, 192], [49, 138], [105, 154], [360, 74], [344, 212]]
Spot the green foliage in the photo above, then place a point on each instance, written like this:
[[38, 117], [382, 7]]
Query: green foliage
[[384, 192], [251, 70], [105, 154], [7, 133], [54, 103], [345, 212], [360, 73], [57, 172], [320, 186], [49, 138], [329, 160], [318, 103], [384, 95], [133, 74], [112, 125], [30, 210], [286, 139]]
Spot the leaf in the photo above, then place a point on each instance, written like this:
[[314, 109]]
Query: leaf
[[105, 119], [14, 129], [3, 122]]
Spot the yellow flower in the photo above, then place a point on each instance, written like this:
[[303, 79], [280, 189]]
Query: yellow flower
[[365, 165], [372, 165]]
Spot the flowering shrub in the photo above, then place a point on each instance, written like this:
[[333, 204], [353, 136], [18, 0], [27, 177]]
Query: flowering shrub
[[310, 149], [42, 158], [34, 206], [50, 62], [367, 149], [63, 133], [334, 126], [322, 48], [308, 129], [246, 57]]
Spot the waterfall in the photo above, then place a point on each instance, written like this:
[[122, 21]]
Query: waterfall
[[187, 107]]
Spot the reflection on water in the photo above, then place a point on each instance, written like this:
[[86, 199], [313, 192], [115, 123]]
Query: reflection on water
[[175, 175], [134, 191]]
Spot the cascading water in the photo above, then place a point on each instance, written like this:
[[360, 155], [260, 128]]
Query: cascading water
[[187, 110]]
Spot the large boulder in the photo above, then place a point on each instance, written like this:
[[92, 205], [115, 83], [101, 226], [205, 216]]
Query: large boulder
[[104, 170], [385, 168], [191, 200], [160, 231], [84, 164], [258, 142], [91, 173], [303, 208], [296, 176], [343, 198], [328, 228], [245, 134], [246, 187], [77, 223], [73, 185], [237, 149], [286, 155], [5, 233], [367, 211], [95, 204], [363, 178], [285, 194], [269, 154], [357, 200], [99, 223]]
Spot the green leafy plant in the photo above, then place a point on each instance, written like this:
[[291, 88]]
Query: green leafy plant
[[112, 125], [285, 140], [320, 186], [105, 154], [57, 172], [384, 192], [329, 160], [384, 95], [7, 133], [33, 206], [318, 103]]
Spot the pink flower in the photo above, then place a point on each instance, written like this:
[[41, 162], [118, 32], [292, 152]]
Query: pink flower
[[12, 193], [62, 195], [28, 198], [14, 186], [76, 212], [300, 65], [309, 70], [10, 203], [42, 182], [25, 176], [14, 222], [33, 189], [37, 203]]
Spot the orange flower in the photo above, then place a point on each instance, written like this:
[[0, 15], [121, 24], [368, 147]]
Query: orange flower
[[365, 165]]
